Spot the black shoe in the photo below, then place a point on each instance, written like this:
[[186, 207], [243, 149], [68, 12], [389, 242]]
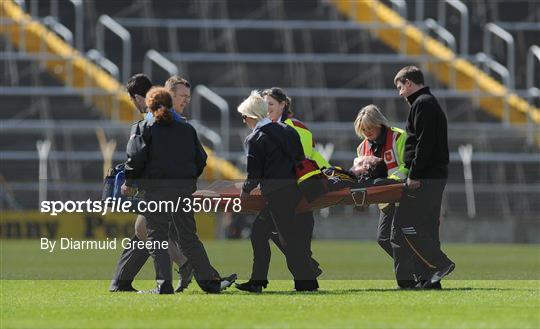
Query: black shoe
[[438, 275], [425, 284], [185, 275], [250, 286], [165, 288], [306, 285], [227, 281], [416, 287], [407, 285]]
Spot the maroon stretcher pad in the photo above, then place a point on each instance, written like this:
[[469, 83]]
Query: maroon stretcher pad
[[255, 202]]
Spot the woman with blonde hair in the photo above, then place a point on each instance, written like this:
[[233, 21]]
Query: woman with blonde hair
[[279, 110], [272, 151], [382, 141]]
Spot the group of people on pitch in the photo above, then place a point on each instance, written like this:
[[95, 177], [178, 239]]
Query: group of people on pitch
[[165, 158]]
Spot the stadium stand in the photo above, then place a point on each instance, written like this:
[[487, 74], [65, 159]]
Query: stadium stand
[[331, 58]]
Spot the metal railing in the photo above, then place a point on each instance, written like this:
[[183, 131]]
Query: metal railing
[[60, 29], [489, 157], [533, 51], [493, 29], [350, 92], [202, 91], [490, 63], [419, 10], [442, 32], [338, 58], [246, 24], [54, 12], [464, 21], [244, 92], [106, 21], [86, 127], [97, 57], [79, 24], [17, 56], [153, 56], [400, 6], [532, 89], [519, 26], [52, 91]]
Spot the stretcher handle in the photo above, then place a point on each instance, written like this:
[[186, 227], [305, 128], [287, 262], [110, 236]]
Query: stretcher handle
[[364, 194]]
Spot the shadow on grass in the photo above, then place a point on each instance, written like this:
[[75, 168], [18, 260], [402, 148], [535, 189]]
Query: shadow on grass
[[378, 290]]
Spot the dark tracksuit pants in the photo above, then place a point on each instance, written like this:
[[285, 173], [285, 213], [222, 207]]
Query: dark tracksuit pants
[[157, 225], [264, 229], [182, 230], [207, 277], [384, 235], [131, 262], [415, 236], [384, 229], [293, 235]]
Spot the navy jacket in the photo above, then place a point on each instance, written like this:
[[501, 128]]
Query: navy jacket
[[164, 157], [273, 150]]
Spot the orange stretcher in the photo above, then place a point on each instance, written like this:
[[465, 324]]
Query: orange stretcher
[[221, 192]]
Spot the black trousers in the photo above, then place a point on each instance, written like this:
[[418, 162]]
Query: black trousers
[[384, 229], [183, 223], [182, 230], [293, 235], [131, 262], [263, 230], [415, 237], [157, 226]]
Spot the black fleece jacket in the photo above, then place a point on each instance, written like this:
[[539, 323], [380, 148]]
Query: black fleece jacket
[[273, 150], [426, 147], [164, 157]]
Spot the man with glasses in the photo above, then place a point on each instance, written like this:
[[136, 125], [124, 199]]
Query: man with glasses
[[180, 90], [133, 259]]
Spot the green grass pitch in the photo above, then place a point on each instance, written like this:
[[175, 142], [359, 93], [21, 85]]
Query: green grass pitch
[[494, 286]]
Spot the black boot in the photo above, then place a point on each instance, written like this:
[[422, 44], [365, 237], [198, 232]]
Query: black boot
[[306, 285], [252, 286]]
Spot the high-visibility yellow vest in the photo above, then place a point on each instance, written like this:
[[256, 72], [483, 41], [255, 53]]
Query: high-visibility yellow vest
[[306, 138]]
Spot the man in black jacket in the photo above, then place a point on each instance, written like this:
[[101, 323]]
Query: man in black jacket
[[133, 259], [168, 172], [418, 259]]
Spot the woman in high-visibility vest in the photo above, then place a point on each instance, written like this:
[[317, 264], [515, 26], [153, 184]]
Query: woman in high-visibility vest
[[263, 229], [384, 142], [279, 110]]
